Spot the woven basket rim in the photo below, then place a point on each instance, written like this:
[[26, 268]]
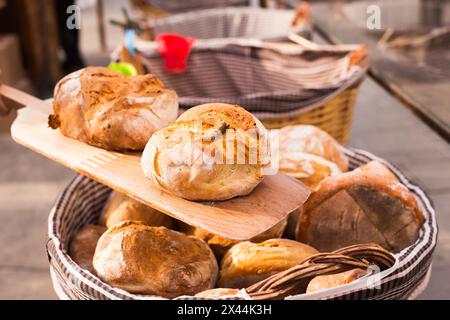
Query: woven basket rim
[[215, 12], [221, 11], [234, 45], [407, 259]]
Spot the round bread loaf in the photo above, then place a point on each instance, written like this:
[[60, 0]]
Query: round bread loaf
[[217, 293], [213, 151], [220, 245], [82, 246], [334, 280], [247, 263], [154, 260], [108, 110], [310, 154], [120, 207], [367, 205]]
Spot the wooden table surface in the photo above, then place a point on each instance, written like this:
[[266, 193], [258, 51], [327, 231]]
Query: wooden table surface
[[418, 74]]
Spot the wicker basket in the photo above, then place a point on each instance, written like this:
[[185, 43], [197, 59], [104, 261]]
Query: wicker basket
[[334, 116], [405, 274], [281, 83]]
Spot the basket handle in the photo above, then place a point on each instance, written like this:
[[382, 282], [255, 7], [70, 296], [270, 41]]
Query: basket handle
[[359, 55], [296, 279]]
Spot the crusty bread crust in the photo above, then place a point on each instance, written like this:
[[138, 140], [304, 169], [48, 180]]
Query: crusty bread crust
[[310, 154], [247, 263], [105, 109], [334, 280], [183, 158], [365, 205], [217, 293], [82, 246], [120, 207], [220, 245], [235, 116], [313, 140], [154, 260]]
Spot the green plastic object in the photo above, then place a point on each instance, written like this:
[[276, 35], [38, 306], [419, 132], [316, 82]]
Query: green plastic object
[[125, 68]]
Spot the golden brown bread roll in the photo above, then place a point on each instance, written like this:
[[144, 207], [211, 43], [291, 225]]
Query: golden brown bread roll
[[313, 140], [82, 246], [213, 151], [220, 245], [108, 110], [120, 207], [367, 205], [247, 263], [217, 293], [310, 154], [154, 260], [334, 280]]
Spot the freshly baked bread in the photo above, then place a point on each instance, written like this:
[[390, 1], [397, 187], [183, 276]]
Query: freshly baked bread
[[220, 245], [247, 263], [310, 154], [289, 231], [367, 205], [334, 280], [217, 293], [213, 151], [108, 110], [313, 140], [82, 246], [120, 207], [154, 260]]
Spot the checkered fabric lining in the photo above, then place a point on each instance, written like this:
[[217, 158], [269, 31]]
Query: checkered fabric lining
[[231, 22], [270, 79], [237, 60], [81, 202], [174, 6]]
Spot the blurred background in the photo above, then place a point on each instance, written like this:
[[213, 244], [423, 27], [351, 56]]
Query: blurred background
[[402, 112]]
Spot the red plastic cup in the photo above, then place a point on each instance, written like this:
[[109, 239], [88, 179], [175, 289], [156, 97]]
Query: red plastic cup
[[174, 49]]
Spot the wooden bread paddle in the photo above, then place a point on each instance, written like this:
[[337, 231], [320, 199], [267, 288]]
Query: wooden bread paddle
[[240, 218]]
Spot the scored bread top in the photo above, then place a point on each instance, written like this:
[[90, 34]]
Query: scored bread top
[[154, 260], [373, 175], [313, 140], [108, 110], [366, 205], [211, 152], [234, 116]]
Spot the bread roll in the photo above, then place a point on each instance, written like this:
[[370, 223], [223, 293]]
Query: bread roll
[[291, 226], [367, 205], [213, 151], [217, 293], [82, 246], [334, 280], [121, 208], [154, 260], [310, 154], [108, 110], [247, 263], [220, 245]]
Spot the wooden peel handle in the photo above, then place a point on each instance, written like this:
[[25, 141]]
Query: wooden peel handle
[[11, 98]]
